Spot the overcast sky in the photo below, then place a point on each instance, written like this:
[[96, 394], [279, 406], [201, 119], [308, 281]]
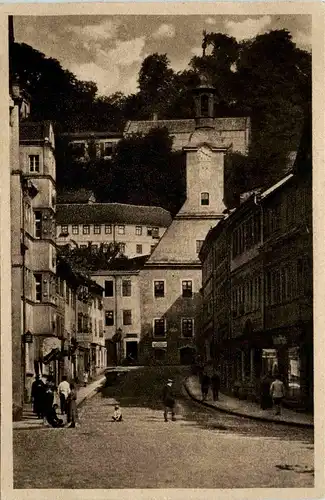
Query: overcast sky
[[109, 49]]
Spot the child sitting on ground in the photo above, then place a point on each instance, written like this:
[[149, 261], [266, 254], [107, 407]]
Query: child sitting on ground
[[117, 415]]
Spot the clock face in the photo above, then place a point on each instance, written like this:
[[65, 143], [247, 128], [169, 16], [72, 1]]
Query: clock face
[[204, 153]]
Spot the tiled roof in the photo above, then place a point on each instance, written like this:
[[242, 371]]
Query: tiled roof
[[102, 213], [184, 126], [34, 131], [79, 196]]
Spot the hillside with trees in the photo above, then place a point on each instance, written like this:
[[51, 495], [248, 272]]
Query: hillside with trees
[[267, 78]]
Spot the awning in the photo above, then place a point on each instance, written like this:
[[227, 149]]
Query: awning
[[49, 344], [51, 356]]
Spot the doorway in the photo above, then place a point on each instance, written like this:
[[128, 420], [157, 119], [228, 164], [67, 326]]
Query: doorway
[[132, 350], [187, 356]]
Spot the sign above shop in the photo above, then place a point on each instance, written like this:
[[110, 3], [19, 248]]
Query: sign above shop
[[159, 344]]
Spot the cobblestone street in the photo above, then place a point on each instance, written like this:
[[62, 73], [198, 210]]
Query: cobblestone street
[[202, 449]]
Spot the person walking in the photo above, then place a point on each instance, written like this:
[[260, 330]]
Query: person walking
[[215, 384], [205, 384], [169, 400], [277, 392], [38, 394], [86, 377], [63, 391], [266, 399], [72, 406], [48, 399]]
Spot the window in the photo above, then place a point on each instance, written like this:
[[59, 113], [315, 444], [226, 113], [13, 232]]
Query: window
[[122, 247], [138, 230], [109, 289], [85, 229], [126, 288], [97, 229], [199, 244], [106, 148], [120, 229], [205, 199], [204, 105], [33, 163], [127, 317], [109, 318], [159, 327], [155, 232], [38, 224], [64, 229], [187, 327], [159, 288], [108, 229], [187, 288], [149, 231], [38, 287], [139, 248], [75, 229]]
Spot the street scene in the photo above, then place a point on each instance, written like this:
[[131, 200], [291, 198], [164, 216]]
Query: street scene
[[143, 451], [161, 245]]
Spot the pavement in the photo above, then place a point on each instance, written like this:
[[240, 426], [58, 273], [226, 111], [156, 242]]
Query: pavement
[[203, 448], [30, 420], [245, 408]]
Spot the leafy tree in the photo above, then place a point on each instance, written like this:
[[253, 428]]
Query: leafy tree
[[86, 260]]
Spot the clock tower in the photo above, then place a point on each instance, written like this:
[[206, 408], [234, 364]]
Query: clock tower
[[204, 159]]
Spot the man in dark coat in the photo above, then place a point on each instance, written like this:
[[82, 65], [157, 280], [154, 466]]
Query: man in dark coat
[[205, 384], [215, 384], [38, 396], [169, 400], [266, 400], [52, 417]]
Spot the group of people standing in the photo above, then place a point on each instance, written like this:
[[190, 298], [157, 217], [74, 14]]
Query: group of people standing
[[43, 401], [207, 382]]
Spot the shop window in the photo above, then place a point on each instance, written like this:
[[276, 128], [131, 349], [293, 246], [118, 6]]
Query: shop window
[[294, 386]]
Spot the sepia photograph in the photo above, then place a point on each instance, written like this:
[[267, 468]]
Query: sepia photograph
[[161, 251]]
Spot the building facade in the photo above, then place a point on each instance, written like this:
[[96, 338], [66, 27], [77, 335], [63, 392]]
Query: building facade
[[171, 278], [135, 229], [84, 146], [257, 291], [122, 312]]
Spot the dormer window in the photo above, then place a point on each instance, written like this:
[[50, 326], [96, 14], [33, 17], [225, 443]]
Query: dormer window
[[33, 163], [205, 199]]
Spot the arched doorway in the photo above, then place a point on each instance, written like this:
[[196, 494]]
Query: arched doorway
[[187, 355]]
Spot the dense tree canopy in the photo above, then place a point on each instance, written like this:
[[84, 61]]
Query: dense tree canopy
[[267, 78]]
